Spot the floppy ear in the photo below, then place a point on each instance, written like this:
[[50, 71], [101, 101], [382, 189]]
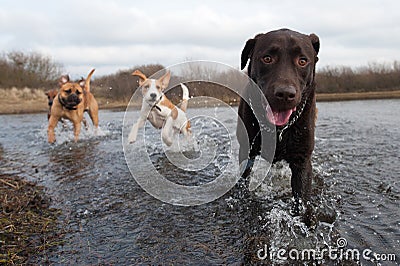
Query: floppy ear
[[247, 52], [315, 42], [64, 79], [165, 80], [142, 77]]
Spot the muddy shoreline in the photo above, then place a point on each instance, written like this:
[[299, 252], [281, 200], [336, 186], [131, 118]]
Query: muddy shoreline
[[28, 225]]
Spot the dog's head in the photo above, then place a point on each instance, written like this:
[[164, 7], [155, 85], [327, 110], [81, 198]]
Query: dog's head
[[282, 63], [152, 89], [71, 93], [51, 94]]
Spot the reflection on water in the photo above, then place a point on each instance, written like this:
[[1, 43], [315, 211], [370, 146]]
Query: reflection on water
[[72, 162], [109, 219]]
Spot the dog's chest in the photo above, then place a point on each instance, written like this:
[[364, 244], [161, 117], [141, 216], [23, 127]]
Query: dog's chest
[[72, 115], [158, 115]]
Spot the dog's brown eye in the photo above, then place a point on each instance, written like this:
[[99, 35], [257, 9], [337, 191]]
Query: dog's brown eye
[[302, 62], [267, 59], [68, 91], [78, 92]]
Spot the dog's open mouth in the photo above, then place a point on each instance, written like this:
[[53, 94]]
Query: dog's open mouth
[[279, 118]]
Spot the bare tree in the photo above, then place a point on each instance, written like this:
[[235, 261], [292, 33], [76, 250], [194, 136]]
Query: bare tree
[[32, 70]]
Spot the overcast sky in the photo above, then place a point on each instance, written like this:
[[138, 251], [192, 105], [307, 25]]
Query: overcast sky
[[113, 35]]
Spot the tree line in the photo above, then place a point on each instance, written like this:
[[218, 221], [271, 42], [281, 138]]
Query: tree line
[[374, 77], [34, 70], [31, 70]]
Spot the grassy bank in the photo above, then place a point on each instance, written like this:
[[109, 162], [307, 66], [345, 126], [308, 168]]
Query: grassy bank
[[28, 227], [22, 101], [350, 96], [17, 101]]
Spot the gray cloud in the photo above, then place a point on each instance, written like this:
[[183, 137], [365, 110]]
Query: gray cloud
[[119, 34]]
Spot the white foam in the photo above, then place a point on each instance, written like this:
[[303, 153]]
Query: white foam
[[65, 132]]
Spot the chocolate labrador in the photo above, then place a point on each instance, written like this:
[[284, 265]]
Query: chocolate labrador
[[282, 64]]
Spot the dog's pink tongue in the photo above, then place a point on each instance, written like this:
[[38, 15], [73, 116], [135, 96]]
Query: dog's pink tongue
[[279, 118]]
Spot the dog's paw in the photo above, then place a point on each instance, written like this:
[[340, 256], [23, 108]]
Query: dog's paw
[[297, 208], [167, 140], [131, 138], [51, 139]]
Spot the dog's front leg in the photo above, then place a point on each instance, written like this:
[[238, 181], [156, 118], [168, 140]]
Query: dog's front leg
[[247, 155], [51, 137], [301, 181], [85, 123], [144, 113], [135, 128], [77, 130]]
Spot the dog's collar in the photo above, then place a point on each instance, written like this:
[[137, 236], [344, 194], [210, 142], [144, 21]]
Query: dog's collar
[[292, 121], [66, 105], [155, 105], [265, 128]]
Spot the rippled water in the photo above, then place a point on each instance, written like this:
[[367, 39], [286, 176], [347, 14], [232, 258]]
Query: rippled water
[[109, 219]]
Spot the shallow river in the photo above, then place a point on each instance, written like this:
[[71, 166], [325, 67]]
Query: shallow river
[[109, 219]]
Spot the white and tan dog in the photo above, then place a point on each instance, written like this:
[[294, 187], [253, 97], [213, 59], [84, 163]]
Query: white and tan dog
[[159, 110]]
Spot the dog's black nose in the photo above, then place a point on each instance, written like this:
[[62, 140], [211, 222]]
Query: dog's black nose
[[73, 97], [285, 93], [153, 95]]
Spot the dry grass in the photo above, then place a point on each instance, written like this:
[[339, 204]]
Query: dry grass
[[326, 97], [18, 101], [14, 101], [28, 227]]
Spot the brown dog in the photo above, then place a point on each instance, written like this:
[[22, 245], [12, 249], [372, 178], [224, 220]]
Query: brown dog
[[51, 94], [72, 100]]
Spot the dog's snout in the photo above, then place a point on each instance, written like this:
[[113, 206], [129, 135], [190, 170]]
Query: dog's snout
[[153, 95], [285, 93], [73, 98]]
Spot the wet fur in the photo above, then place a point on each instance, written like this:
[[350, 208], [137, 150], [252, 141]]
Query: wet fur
[[73, 110], [297, 142], [159, 110]]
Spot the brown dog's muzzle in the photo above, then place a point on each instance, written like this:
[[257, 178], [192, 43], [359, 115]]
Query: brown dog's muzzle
[[70, 102], [285, 94], [73, 98]]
